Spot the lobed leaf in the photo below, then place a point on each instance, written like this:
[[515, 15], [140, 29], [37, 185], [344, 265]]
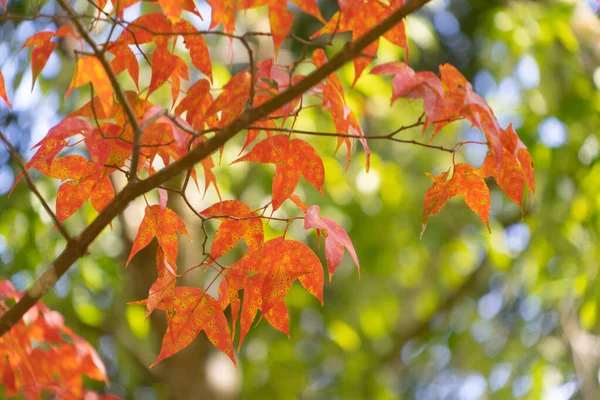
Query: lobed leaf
[[336, 240], [162, 224], [464, 181], [292, 158], [238, 222]]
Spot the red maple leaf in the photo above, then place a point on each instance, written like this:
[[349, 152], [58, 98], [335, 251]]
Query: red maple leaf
[[464, 181], [336, 240], [238, 222], [162, 224], [292, 158]]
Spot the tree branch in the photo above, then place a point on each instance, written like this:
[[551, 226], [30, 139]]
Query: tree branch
[[78, 246]]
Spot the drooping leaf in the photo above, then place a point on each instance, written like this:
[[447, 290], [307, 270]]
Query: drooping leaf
[[163, 65], [292, 158], [42, 48], [344, 118], [416, 85], [283, 261], [464, 181], [163, 286], [162, 224], [90, 69], [43, 357], [238, 222], [192, 311], [197, 46], [516, 169], [336, 240], [125, 60], [358, 17]]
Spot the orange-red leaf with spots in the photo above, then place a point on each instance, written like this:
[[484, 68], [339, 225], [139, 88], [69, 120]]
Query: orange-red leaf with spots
[[238, 222], [162, 224], [336, 240], [292, 158], [192, 311], [464, 181]]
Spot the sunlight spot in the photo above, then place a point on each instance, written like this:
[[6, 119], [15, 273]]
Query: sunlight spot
[[528, 72], [222, 375], [552, 132], [499, 376], [368, 183], [473, 387]]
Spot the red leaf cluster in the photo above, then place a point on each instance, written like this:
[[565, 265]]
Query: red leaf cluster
[[30, 350]]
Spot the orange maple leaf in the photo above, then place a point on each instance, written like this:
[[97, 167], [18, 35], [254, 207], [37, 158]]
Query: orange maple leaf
[[162, 224], [292, 158], [464, 181]]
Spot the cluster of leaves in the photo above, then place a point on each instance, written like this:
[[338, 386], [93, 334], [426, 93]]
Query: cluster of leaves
[[29, 354], [452, 97], [123, 133]]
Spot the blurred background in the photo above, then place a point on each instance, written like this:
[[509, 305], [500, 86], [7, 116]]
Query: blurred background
[[460, 314]]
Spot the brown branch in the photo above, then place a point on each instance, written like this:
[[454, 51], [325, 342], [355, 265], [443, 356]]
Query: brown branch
[[78, 246], [15, 155]]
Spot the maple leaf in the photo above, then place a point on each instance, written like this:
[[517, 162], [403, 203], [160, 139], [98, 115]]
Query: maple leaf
[[232, 99], [344, 119], [293, 158], [29, 354], [81, 179], [516, 170], [163, 65], [195, 104], [197, 46], [464, 181], [192, 310], [360, 16], [274, 268], [3, 91], [162, 224], [417, 85], [283, 261], [90, 69], [107, 146], [336, 240], [42, 48], [238, 222], [462, 99], [279, 18], [164, 286], [124, 59]]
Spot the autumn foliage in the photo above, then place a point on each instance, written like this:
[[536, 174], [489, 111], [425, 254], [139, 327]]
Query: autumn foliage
[[123, 132]]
